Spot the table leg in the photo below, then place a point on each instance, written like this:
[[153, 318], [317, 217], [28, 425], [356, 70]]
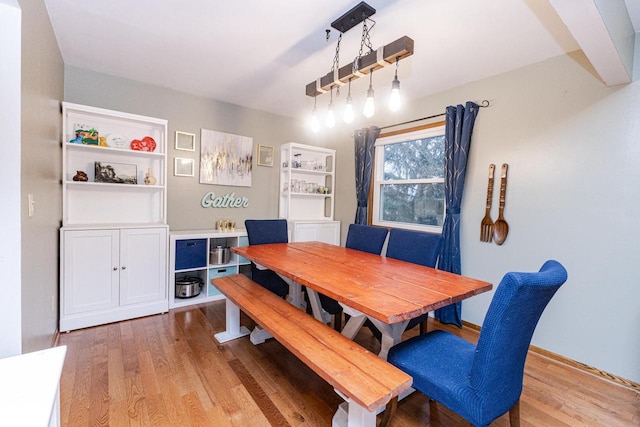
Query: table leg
[[234, 330], [295, 292], [391, 335], [355, 322], [316, 307]]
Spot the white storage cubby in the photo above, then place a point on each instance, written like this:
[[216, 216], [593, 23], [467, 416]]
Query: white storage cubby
[[307, 186], [113, 243], [189, 256]]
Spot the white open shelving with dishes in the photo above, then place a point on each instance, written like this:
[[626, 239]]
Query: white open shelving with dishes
[[114, 238], [307, 186]]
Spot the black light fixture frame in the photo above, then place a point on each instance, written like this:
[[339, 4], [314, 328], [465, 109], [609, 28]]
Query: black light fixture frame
[[356, 15], [386, 55]]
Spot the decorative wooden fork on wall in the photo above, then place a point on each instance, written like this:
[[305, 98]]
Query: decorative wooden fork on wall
[[486, 226]]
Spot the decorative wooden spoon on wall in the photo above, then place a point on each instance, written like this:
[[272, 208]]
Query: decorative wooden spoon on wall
[[500, 227]]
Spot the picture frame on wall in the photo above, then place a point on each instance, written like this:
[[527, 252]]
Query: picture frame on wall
[[183, 167], [265, 155], [185, 141]]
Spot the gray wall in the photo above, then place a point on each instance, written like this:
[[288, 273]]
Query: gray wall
[[42, 90], [573, 149], [189, 113]]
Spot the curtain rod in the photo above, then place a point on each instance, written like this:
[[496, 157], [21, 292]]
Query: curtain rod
[[484, 104]]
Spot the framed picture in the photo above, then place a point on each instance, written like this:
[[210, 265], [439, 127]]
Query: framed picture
[[183, 167], [225, 158], [265, 155], [185, 141], [116, 173]]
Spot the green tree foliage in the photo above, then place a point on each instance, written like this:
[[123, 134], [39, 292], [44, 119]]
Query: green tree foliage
[[417, 203]]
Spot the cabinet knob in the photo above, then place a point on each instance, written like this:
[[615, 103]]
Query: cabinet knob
[[115, 268], [124, 267]]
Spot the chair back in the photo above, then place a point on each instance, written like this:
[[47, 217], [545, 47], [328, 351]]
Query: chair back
[[366, 238], [498, 365], [414, 246], [263, 231]]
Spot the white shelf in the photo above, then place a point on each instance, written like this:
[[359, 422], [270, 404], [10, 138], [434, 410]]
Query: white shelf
[[87, 202], [113, 263], [203, 269], [307, 181]]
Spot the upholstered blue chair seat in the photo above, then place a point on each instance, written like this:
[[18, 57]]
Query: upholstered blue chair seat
[[441, 364]]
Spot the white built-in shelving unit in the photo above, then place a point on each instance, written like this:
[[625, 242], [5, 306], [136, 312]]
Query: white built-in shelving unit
[[113, 263], [307, 186]]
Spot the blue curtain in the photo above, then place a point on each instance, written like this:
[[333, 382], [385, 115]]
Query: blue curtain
[[364, 143], [458, 128]]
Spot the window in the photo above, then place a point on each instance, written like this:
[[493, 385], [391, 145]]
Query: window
[[408, 180]]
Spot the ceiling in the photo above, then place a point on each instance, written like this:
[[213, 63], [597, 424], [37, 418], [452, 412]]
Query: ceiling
[[262, 54]]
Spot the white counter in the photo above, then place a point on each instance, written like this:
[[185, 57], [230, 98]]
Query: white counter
[[29, 388]]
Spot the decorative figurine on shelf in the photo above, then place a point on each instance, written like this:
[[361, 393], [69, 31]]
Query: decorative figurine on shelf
[[81, 176], [85, 134], [149, 179]]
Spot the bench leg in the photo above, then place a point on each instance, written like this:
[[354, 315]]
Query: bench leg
[[350, 414], [234, 330]]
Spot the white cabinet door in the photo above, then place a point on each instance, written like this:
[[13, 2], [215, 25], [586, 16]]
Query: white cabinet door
[[321, 231], [91, 271], [143, 263]]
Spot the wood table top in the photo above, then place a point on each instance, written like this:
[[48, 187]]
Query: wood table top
[[387, 289]]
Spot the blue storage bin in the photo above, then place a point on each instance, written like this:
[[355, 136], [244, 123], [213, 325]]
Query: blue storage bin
[[191, 253], [214, 273]]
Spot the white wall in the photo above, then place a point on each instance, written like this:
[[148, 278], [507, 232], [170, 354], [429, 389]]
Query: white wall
[[573, 149], [10, 26]]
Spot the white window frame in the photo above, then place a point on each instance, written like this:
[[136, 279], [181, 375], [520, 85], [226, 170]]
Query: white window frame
[[378, 174]]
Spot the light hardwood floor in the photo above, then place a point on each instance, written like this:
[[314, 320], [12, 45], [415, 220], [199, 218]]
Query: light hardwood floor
[[167, 370]]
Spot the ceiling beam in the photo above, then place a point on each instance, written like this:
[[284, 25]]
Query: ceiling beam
[[605, 35]]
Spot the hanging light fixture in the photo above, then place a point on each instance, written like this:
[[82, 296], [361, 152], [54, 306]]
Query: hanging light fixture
[[395, 102], [331, 117], [315, 123], [366, 61], [369, 106], [348, 108]]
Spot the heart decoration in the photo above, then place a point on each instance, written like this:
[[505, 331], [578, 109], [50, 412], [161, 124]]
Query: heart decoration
[[146, 144]]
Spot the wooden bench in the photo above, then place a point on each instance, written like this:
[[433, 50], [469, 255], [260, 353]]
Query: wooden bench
[[364, 380]]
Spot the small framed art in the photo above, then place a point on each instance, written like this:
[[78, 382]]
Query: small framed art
[[115, 173], [265, 155], [183, 167], [185, 141]]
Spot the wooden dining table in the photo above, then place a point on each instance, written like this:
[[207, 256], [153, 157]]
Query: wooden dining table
[[387, 291]]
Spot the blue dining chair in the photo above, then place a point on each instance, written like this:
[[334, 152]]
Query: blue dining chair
[[419, 248], [366, 238], [482, 382], [264, 231], [363, 238]]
